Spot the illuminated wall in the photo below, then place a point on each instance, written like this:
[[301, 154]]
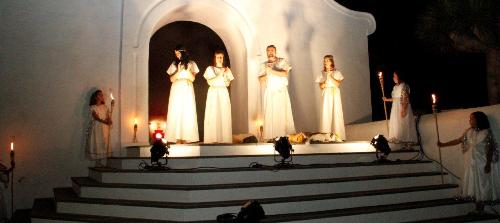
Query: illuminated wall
[[54, 53]]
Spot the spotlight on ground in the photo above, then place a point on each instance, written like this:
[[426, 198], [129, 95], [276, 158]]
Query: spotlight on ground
[[158, 150], [284, 148], [381, 145]]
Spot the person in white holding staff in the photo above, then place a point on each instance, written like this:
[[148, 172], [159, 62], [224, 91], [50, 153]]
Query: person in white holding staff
[[278, 119], [98, 136], [217, 124], [332, 116], [481, 180], [182, 125], [401, 123]]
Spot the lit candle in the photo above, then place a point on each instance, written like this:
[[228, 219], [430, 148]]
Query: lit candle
[[135, 130], [12, 162], [381, 81], [434, 111], [111, 95]]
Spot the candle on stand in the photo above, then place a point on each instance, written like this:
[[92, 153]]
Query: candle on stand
[[381, 81], [260, 124], [434, 112], [12, 160], [135, 130]]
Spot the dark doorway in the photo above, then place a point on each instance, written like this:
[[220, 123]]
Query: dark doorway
[[201, 42]]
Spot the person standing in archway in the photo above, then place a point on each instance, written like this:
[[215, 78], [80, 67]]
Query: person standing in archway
[[278, 119], [217, 124], [182, 124]]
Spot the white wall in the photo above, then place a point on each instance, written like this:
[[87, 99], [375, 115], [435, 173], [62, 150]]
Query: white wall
[[52, 54], [303, 31], [452, 125]]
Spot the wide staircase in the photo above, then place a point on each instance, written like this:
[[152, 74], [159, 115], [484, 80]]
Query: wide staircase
[[328, 183]]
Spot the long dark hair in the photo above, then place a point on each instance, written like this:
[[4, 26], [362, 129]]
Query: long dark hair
[[93, 98], [184, 56], [481, 120], [223, 61]]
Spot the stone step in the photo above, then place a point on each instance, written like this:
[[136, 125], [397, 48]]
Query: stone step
[[197, 149], [229, 161], [89, 188], [483, 218], [202, 176], [69, 202], [397, 212], [44, 211]]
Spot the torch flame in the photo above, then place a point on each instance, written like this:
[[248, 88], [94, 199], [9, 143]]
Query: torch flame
[[433, 99], [259, 122], [380, 74]]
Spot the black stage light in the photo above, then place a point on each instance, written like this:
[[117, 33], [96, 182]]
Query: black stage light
[[381, 145], [158, 150], [284, 148]]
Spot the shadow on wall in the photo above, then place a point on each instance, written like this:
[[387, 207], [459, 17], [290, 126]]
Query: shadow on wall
[[304, 103]]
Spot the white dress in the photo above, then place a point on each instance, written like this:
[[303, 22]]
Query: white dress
[[332, 117], [98, 134], [475, 183], [401, 129], [182, 121], [278, 118], [217, 124]]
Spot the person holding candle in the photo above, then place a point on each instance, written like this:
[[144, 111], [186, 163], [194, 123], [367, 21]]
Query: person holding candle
[[273, 75], [401, 121], [182, 124], [481, 180], [217, 124], [332, 117], [98, 134]]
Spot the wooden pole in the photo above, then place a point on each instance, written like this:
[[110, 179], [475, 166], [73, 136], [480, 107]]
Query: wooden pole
[[381, 80]]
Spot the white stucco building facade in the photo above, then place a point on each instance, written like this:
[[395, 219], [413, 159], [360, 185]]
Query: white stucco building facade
[[53, 53]]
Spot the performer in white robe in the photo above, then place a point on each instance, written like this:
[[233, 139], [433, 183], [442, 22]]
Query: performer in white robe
[[182, 124], [278, 119], [481, 180], [332, 116], [98, 132], [401, 123], [217, 124]]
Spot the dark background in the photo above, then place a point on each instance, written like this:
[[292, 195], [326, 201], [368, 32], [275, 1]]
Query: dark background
[[458, 78], [201, 43]]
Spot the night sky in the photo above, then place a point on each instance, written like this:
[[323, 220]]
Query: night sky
[[458, 78]]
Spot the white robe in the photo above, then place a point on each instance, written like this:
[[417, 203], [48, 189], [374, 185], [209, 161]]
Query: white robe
[[182, 121], [98, 134], [332, 116], [475, 183], [401, 129], [217, 124], [278, 118]]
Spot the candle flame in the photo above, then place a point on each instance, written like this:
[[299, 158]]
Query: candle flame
[[135, 121], [259, 122], [12, 143], [434, 99], [111, 95], [380, 74]]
